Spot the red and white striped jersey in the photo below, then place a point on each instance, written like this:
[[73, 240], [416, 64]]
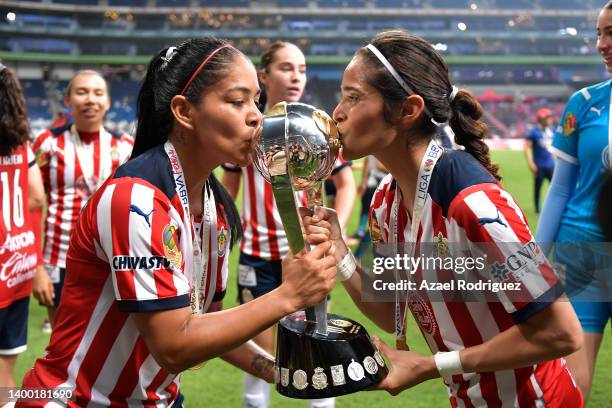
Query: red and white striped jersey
[[73, 167], [466, 208], [264, 235], [17, 242], [128, 254]]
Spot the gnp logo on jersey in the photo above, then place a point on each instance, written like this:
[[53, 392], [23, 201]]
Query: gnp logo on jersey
[[171, 240], [516, 265]]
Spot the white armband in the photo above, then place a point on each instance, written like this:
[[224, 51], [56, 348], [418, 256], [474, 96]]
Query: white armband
[[346, 267], [448, 363]]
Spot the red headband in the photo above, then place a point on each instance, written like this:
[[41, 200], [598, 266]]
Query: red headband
[[197, 71]]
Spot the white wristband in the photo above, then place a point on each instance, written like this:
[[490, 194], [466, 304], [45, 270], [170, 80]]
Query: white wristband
[[346, 267], [448, 363]]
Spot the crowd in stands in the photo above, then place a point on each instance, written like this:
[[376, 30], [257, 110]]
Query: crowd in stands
[[507, 117], [517, 4]]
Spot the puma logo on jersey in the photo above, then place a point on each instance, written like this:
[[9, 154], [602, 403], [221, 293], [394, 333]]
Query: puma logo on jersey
[[486, 220], [134, 208], [598, 111]]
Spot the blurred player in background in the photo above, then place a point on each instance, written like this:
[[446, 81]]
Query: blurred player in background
[[21, 191], [282, 72], [539, 159], [569, 219], [372, 174], [75, 159], [502, 352]]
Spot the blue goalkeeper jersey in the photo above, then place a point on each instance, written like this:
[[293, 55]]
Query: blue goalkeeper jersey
[[582, 139]]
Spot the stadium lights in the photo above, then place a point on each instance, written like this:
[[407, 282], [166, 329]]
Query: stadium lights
[[462, 26], [10, 16], [440, 47], [569, 31], [474, 6]]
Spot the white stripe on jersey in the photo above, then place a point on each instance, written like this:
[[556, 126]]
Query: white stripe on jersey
[[144, 281], [506, 387], [537, 388], [161, 390], [147, 373], [254, 192], [120, 352], [475, 394], [103, 305], [105, 235]]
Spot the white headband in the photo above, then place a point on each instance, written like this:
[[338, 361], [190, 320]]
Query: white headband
[[454, 93], [169, 54], [398, 78]]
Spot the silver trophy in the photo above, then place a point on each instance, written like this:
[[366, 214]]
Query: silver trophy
[[297, 152]]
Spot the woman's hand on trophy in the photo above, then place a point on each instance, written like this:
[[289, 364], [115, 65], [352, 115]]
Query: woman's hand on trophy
[[322, 225], [309, 276], [407, 369]]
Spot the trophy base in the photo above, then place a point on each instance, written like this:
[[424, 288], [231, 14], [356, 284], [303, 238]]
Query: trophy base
[[311, 365]]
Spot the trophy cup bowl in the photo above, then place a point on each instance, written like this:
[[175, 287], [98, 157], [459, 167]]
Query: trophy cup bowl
[[317, 355]]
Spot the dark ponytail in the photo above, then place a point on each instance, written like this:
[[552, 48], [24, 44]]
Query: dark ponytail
[[470, 131], [14, 129], [168, 73], [426, 73], [223, 198]]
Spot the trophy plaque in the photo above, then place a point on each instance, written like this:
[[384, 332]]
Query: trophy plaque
[[317, 355]]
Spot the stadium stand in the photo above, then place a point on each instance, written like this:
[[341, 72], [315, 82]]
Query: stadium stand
[[503, 43]]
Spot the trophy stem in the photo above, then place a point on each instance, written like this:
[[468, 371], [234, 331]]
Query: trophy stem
[[314, 198]]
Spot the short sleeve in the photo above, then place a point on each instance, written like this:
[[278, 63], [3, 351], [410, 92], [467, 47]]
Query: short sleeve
[[42, 149], [340, 164], [126, 144], [30, 156], [565, 141], [140, 236], [530, 135], [496, 226], [379, 208]]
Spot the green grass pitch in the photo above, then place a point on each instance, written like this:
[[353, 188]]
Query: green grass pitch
[[220, 385]]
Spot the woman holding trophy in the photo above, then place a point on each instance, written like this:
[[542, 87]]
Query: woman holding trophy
[[395, 93], [148, 257], [282, 72]]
